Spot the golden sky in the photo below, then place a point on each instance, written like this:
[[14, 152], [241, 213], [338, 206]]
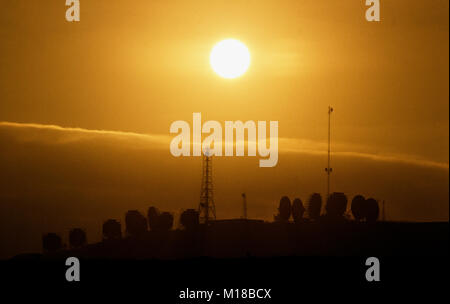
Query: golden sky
[[138, 66]]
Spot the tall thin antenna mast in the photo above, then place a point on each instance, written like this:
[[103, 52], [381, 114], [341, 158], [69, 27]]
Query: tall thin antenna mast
[[244, 206], [207, 209], [328, 169]]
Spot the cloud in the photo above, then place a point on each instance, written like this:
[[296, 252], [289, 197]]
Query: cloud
[[54, 178], [344, 149], [57, 134], [64, 135]]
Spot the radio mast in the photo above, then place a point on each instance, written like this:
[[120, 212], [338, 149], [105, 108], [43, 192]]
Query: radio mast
[[328, 169], [244, 206], [207, 209]]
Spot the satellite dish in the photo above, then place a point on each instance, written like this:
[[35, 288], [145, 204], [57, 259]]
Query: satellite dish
[[297, 210], [357, 207], [284, 210]]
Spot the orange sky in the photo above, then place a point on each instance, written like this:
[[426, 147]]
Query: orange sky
[[137, 67]]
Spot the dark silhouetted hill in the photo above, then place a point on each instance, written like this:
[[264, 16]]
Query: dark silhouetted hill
[[254, 238]]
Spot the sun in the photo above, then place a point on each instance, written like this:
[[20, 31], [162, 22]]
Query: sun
[[229, 58]]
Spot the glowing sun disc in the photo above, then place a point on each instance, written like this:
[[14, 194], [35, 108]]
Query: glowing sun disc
[[229, 58]]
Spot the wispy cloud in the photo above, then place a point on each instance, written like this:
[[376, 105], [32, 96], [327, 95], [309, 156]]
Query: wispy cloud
[[292, 145], [82, 130], [140, 140]]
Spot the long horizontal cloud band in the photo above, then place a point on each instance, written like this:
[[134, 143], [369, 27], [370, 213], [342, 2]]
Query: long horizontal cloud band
[[157, 141]]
